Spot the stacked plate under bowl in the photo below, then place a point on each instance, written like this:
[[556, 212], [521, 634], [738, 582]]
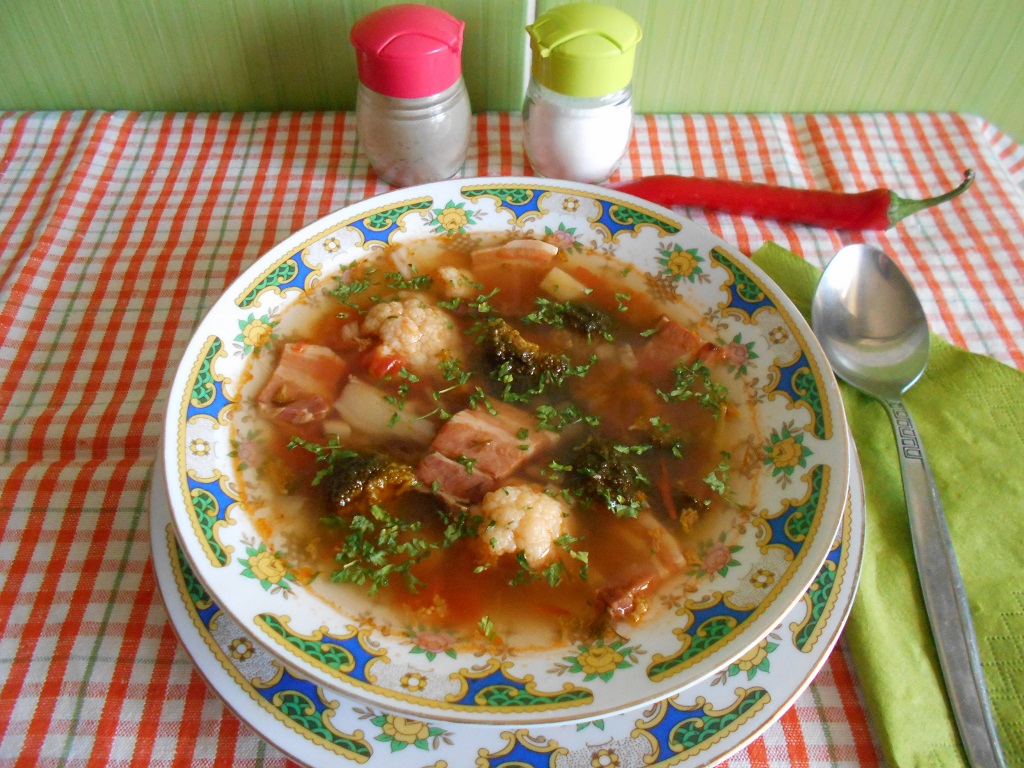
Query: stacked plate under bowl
[[328, 682]]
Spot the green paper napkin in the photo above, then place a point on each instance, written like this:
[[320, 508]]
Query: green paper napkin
[[969, 411]]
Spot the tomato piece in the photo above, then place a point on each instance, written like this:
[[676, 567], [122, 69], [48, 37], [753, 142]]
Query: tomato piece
[[380, 365]]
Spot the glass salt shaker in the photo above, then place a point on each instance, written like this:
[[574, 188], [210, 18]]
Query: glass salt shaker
[[412, 109], [578, 109]]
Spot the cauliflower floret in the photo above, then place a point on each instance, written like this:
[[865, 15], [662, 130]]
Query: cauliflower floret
[[457, 283], [420, 334], [517, 518]]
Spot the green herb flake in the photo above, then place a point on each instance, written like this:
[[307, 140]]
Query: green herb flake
[[378, 547], [554, 573], [718, 479], [396, 282], [482, 305], [695, 381], [554, 419], [331, 454]]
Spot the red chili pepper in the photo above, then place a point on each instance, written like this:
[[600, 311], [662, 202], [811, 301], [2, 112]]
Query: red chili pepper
[[875, 209]]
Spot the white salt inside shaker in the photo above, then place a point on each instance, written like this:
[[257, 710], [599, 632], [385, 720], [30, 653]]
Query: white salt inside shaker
[[578, 110]]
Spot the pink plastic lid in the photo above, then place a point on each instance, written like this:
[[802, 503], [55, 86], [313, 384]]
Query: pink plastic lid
[[408, 51]]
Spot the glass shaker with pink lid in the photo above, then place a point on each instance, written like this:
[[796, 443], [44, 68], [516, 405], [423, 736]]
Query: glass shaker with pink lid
[[412, 108]]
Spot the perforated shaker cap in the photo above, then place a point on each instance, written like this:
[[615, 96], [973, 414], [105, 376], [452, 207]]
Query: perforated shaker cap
[[408, 51], [584, 49]]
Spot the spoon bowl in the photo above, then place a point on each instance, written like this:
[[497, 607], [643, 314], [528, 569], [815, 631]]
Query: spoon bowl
[[870, 323], [874, 333]]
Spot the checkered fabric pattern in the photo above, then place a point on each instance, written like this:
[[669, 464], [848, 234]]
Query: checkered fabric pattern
[[119, 230]]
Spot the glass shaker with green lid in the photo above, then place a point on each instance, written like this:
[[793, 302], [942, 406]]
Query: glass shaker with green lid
[[578, 110]]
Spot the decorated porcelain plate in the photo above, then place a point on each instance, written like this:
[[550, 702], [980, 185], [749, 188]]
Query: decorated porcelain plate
[[505, 449], [319, 726]]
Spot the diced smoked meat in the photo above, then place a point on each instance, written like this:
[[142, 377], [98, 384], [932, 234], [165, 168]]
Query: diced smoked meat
[[301, 411], [622, 597], [673, 344], [479, 442], [454, 482], [524, 252], [496, 443], [304, 383]]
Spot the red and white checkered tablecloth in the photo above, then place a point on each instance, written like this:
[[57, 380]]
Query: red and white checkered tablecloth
[[119, 230]]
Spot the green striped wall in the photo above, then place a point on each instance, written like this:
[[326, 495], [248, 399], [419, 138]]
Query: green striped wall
[[696, 56]]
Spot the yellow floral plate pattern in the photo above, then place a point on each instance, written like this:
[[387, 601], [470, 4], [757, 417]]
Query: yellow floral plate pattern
[[317, 726], [744, 576]]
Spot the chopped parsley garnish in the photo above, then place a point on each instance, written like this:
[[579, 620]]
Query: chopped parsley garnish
[[330, 455], [396, 282], [478, 397], [602, 473], [571, 315], [378, 547], [554, 573], [486, 627], [556, 419], [694, 381], [459, 524], [482, 305], [718, 479], [659, 425], [398, 400], [346, 291], [452, 371], [566, 541]]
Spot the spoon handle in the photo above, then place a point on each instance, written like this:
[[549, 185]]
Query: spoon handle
[[945, 598]]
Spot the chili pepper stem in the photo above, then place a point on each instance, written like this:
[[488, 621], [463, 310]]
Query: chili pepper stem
[[900, 208]]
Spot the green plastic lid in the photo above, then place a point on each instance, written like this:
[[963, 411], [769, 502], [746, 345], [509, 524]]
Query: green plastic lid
[[584, 49]]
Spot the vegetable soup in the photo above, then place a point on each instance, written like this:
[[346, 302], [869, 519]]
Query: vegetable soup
[[493, 437]]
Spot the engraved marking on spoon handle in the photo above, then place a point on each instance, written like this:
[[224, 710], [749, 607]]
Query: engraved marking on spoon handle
[[945, 598]]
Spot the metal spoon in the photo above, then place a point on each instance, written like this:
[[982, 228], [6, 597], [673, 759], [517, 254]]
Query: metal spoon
[[875, 334]]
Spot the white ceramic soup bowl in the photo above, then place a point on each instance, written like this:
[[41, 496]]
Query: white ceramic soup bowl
[[743, 574]]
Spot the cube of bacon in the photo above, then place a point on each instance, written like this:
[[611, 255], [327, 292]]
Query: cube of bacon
[[530, 253], [625, 592], [622, 596], [490, 446], [304, 384], [675, 344], [454, 482], [497, 443]]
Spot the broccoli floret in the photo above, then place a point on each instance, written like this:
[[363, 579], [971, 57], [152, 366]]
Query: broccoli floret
[[520, 365], [367, 480], [604, 473], [353, 482], [586, 319], [573, 316]]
